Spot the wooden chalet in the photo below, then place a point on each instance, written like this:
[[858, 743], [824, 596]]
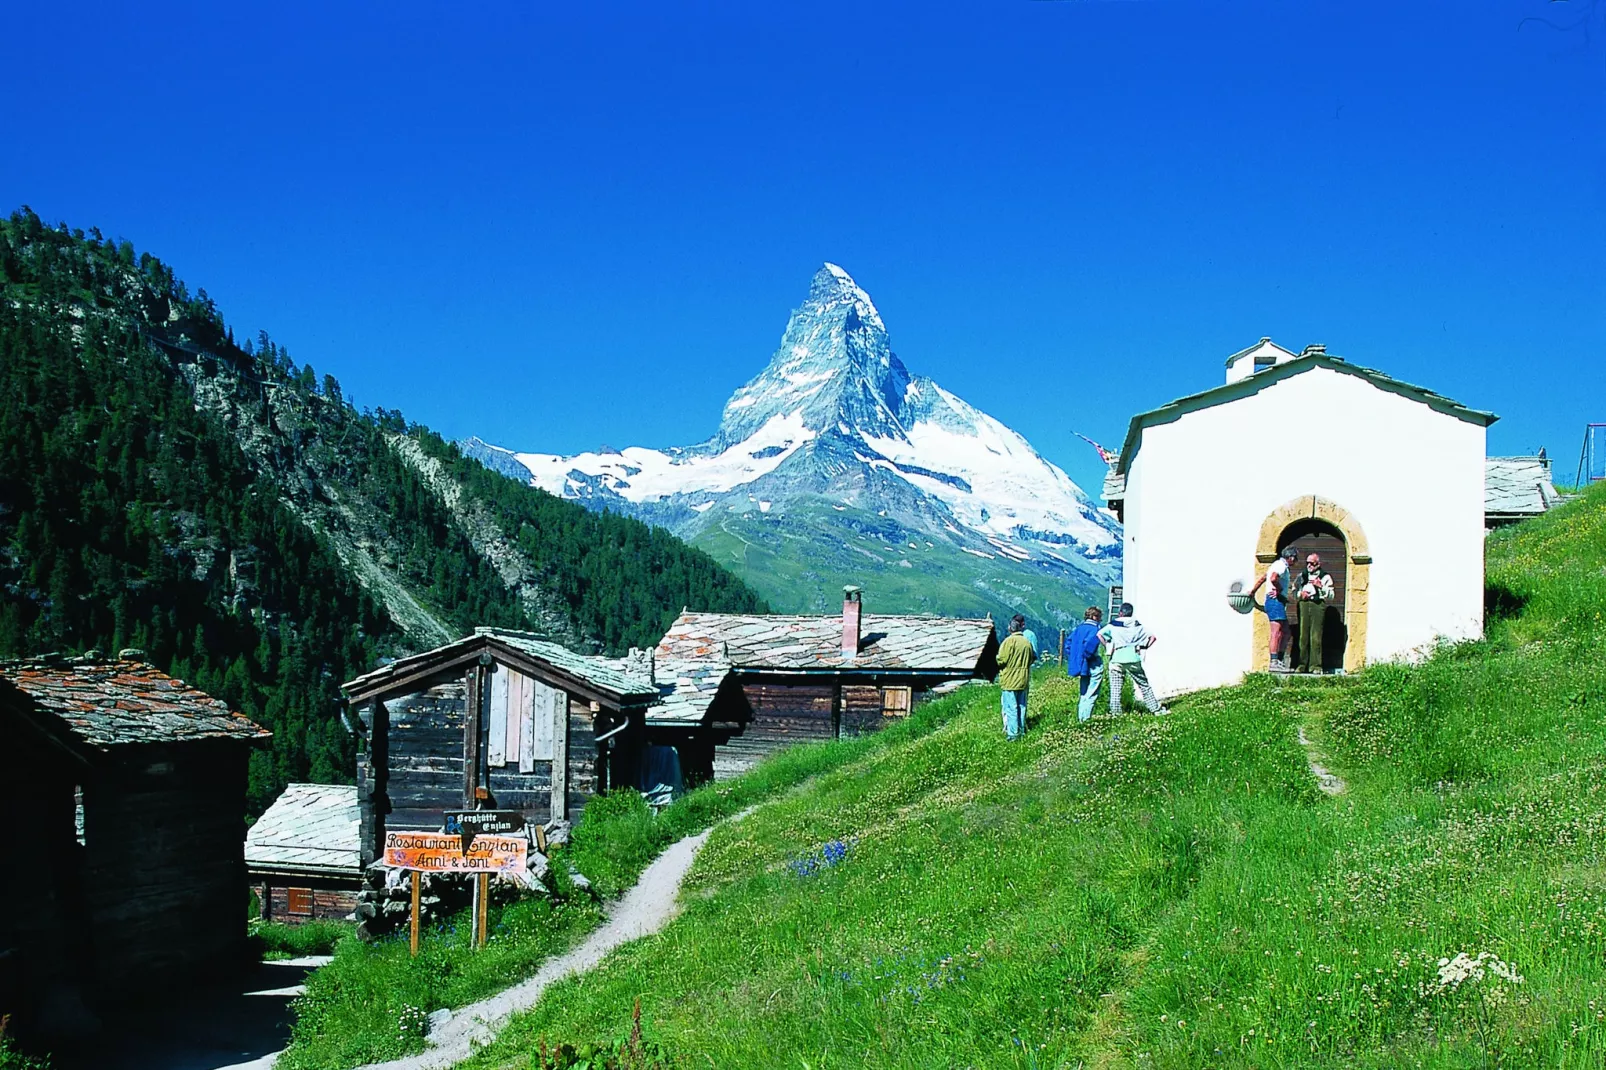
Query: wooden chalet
[[123, 790], [303, 855], [505, 720], [794, 678]]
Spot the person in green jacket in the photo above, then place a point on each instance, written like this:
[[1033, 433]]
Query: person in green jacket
[[1015, 657]]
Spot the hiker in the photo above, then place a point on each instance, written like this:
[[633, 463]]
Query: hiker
[[1314, 586], [1277, 581], [1127, 640], [1015, 657], [1084, 661]]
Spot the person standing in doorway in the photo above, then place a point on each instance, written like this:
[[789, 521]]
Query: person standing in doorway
[[1083, 661], [1127, 639], [1315, 589], [1277, 581], [1015, 657]]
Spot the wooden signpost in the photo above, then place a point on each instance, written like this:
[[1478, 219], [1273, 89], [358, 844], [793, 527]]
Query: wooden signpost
[[458, 852]]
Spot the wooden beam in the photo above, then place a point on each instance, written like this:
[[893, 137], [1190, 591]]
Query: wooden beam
[[560, 760], [473, 694]]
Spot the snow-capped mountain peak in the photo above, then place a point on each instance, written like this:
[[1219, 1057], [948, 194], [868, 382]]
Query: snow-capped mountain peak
[[834, 365], [836, 415]]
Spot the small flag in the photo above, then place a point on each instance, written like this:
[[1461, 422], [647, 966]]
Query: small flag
[[1107, 456]]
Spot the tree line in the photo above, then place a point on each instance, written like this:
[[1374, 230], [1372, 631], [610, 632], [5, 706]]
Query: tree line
[[130, 516]]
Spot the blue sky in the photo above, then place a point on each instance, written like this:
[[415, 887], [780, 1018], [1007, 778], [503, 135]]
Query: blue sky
[[562, 225]]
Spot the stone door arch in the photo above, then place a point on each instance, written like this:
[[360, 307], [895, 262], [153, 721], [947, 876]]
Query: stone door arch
[[1358, 554]]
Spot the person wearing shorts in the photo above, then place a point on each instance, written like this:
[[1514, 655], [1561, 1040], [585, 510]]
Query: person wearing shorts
[[1276, 581]]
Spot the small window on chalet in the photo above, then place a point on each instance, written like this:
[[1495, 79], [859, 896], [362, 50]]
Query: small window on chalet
[[895, 701], [1262, 363], [300, 902]]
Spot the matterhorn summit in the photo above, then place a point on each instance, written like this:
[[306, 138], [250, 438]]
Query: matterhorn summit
[[835, 464]]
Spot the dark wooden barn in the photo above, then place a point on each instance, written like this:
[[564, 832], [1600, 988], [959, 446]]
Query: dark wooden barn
[[123, 790], [505, 720], [794, 678], [303, 856]]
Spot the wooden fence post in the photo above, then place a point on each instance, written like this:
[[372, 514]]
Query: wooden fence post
[[484, 897], [415, 914]]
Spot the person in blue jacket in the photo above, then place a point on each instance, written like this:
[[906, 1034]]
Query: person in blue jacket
[[1082, 660]]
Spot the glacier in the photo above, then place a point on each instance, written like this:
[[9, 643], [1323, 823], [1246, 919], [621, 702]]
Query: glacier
[[836, 417]]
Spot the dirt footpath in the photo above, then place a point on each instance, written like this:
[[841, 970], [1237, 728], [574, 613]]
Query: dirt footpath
[[642, 911]]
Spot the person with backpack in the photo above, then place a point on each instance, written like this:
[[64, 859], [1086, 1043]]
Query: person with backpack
[[1314, 588], [1127, 639], [1015, 657], [1083, 660]]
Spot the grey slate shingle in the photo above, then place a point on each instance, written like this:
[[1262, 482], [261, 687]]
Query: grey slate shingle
[[309, 826]]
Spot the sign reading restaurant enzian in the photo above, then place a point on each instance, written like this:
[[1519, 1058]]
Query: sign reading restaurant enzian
[[435, 852]]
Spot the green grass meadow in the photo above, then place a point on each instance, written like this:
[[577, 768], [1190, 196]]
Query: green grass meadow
[[1171, 892]]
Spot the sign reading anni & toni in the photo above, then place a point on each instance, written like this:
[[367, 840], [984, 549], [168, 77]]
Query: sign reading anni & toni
[[435, 852]]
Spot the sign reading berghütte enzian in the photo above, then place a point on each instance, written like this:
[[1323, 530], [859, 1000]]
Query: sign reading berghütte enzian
[[436, 852], [469, 824]]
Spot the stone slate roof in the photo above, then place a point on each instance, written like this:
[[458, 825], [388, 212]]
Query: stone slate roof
[[1219, 395], [1517, 486], [604, 674], [686, 688], [1114, 485], [308, 827], [808, 643], [111, 703]]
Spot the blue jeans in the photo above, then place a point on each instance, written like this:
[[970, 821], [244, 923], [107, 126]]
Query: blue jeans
[[1014, 704], [1092, 680]]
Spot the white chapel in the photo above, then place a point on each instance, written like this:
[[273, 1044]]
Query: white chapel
[[1391, 493]]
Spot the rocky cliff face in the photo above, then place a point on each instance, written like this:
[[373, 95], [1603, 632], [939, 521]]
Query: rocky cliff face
[[836, 460]]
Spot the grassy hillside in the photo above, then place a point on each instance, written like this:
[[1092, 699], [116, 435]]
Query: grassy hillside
[[1176, 892]]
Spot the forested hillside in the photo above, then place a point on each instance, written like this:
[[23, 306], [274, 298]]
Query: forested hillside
[[166, 488]]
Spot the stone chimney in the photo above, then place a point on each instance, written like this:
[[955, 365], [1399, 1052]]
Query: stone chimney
[[643, 662], [852, 608]]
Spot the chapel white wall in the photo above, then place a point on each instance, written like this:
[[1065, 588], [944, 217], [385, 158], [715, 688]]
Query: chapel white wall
[[1199, 488]]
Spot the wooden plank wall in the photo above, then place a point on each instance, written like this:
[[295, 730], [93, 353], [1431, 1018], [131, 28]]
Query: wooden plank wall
[[425, 774], [861, 709], [785, 710], [330, 898], [788, 710], [164, 864], [582, 757], [40, 908], [424, 760]]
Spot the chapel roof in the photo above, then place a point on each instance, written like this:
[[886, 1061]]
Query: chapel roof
[[1242, 388]]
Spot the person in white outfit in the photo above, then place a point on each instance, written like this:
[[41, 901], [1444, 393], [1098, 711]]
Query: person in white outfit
[[1127, 639]]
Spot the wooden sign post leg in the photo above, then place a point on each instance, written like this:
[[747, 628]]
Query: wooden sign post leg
[[415, 914], [484, 895]]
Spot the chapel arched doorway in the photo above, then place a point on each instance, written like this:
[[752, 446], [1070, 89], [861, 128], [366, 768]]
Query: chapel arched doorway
[[1313, 536], [1313, 524]]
